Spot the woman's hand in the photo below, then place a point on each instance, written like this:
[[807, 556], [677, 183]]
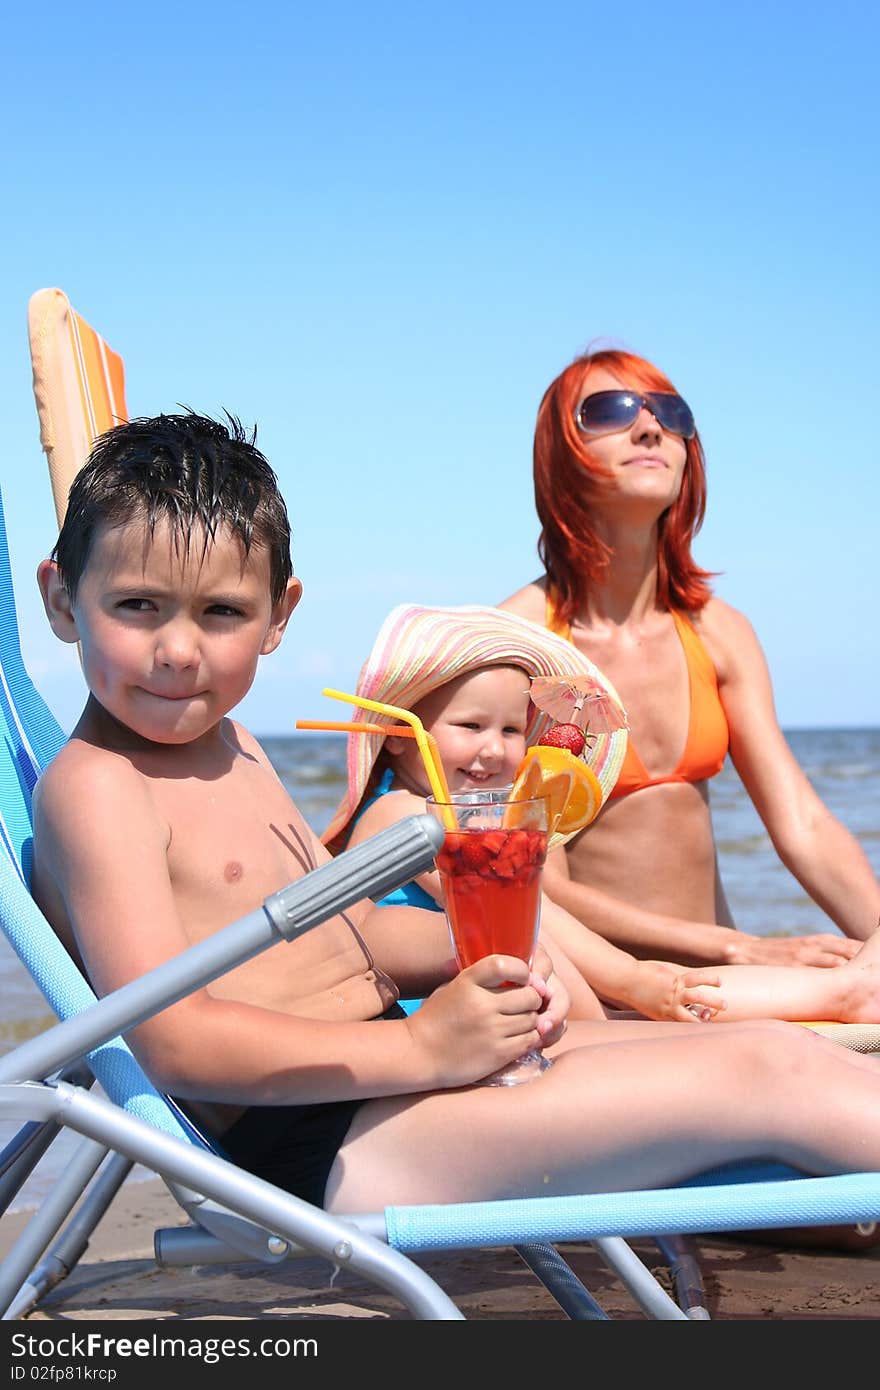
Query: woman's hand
[[481, 1021], [823, 949]]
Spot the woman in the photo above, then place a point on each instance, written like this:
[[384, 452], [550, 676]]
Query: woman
[[620, 490]]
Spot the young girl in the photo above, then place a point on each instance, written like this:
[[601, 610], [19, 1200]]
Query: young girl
[[465, 672]]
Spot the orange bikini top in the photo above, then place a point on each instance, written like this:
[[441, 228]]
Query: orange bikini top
[[708, 736]]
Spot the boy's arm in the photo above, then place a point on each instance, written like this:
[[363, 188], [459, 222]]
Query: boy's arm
[[102, 852]]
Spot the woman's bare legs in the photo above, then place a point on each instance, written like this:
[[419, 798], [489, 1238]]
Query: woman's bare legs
[[649, 1109]]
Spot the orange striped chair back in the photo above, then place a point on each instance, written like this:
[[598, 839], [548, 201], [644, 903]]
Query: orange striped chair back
[[79, 387]]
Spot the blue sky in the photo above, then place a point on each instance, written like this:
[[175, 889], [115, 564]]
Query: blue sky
[[378, 232]]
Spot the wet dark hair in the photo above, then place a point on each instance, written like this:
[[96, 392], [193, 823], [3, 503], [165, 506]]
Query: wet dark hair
[[195, 472]]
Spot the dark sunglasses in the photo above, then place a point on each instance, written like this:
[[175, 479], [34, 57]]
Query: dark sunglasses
[[607, 411]]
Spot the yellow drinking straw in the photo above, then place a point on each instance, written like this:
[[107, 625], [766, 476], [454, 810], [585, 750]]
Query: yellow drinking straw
[[424, 741]]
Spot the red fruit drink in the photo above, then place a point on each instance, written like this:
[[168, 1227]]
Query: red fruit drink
[[492, 889]]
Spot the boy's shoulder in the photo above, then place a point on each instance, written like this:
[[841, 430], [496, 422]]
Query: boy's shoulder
[[82, 774], [90, 805], [80, 761], [86, 764], [243, 741]]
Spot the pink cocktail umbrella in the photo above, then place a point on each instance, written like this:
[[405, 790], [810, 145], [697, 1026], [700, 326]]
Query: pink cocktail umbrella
[[579, 700], [594, 707]]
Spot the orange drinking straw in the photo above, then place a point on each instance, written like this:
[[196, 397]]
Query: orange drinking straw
[[340, 726], [424, 742]]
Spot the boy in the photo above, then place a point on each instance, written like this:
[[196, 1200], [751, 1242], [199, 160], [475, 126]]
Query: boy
[[162, 821]]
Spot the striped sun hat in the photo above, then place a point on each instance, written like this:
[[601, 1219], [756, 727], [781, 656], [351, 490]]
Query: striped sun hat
[[419, 649]]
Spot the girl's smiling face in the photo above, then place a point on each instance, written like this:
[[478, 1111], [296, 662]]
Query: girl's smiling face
[[479, 723]]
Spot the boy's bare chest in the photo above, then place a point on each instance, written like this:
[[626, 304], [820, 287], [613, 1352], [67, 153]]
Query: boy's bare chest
[[233, 843], [237, 834]]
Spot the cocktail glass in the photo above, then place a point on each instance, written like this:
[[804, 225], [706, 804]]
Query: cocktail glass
[[490, 867]]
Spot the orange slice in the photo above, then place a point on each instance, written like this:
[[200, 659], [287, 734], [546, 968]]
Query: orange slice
[[571, 788]]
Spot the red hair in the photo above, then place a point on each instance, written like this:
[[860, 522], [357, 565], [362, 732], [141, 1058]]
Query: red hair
[[568, 477]]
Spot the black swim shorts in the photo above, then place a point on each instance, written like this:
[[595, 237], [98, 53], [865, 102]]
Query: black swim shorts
[[293, 1146]]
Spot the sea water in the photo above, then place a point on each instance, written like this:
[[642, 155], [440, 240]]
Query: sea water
[[842, 764]]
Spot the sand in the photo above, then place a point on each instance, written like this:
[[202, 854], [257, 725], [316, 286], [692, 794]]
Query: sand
[[117, 1278]]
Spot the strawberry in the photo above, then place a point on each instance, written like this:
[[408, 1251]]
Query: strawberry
[[565, 736]]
